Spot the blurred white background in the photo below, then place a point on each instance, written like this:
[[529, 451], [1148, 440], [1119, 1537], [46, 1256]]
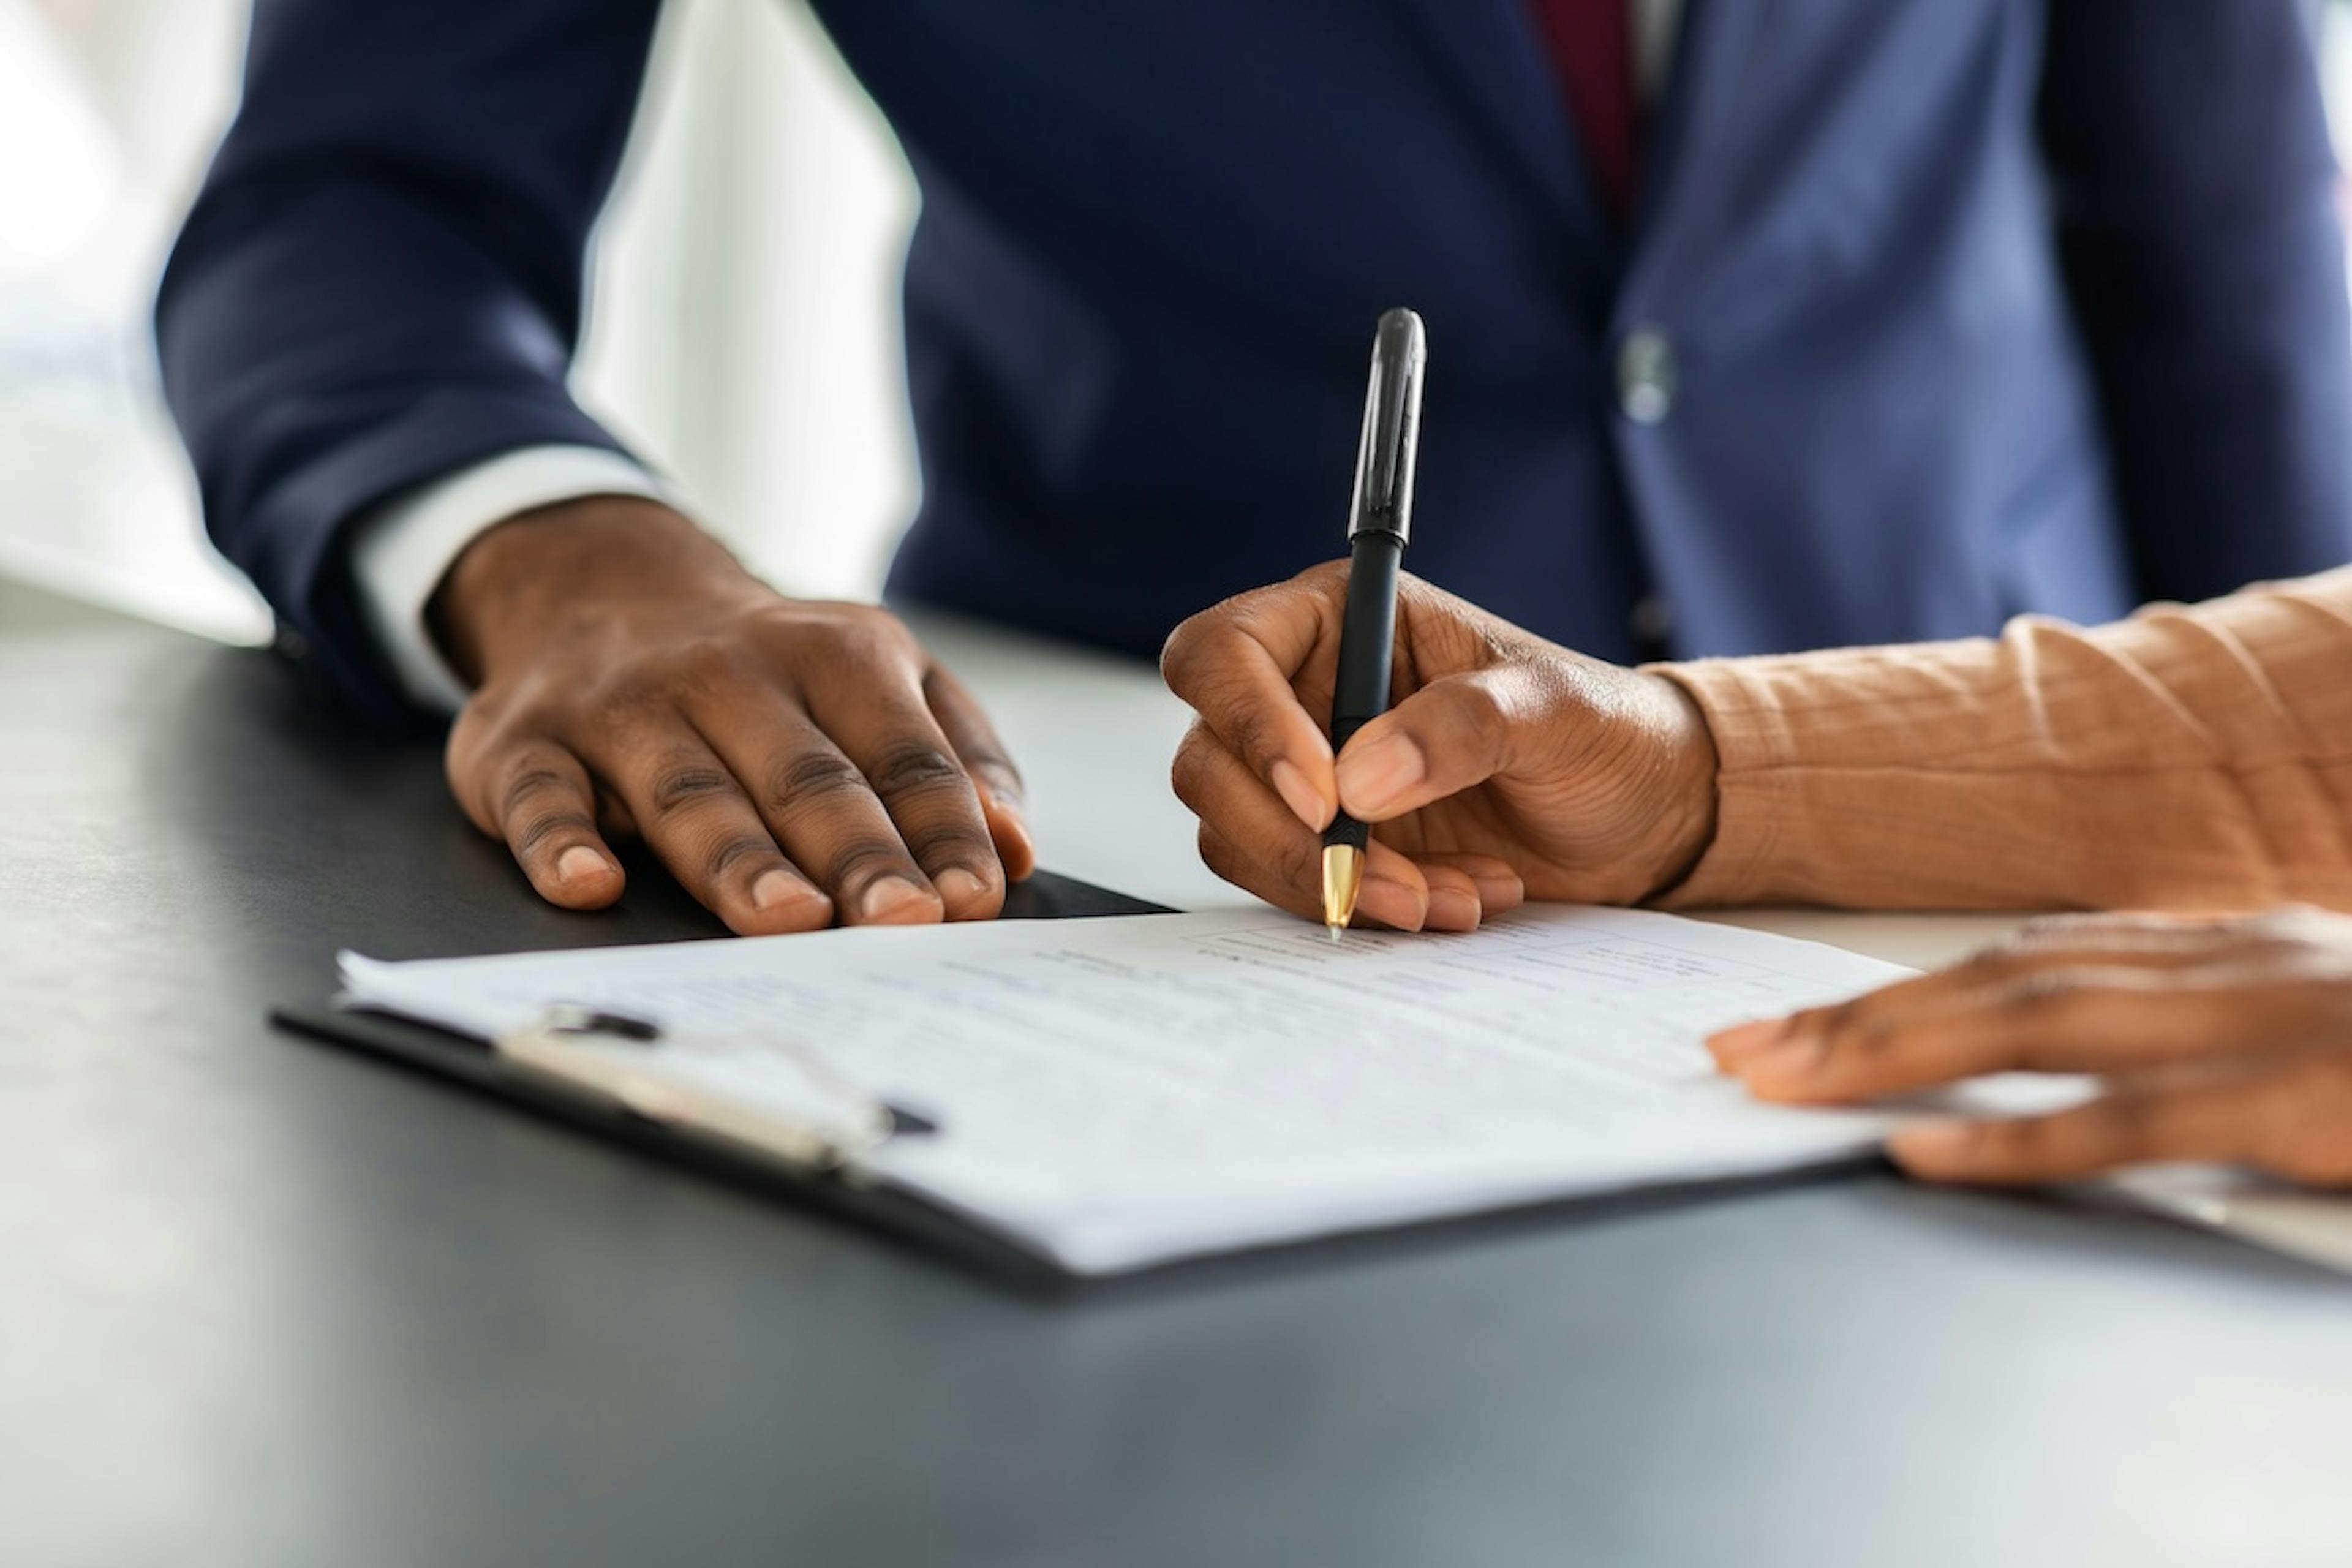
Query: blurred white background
[[745, 332], [744, 336]]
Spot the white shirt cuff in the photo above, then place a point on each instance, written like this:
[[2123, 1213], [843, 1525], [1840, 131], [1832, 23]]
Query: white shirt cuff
[[401, 551]]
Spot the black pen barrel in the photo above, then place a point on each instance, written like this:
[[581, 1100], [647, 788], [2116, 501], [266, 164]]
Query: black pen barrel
[[1367, 635], [1367, 655], [1380, 520]]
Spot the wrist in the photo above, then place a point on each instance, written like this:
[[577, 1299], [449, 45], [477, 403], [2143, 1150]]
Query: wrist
[[525, 575]]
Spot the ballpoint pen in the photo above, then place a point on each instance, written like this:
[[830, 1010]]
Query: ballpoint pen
[[1380, 518]]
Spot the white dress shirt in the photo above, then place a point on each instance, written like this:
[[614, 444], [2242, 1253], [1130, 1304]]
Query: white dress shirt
[[401, 551]]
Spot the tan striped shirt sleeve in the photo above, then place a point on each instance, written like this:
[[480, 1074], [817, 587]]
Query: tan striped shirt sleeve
[[2187, 758]]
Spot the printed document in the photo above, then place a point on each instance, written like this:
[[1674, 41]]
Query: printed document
[[1117, 1092]]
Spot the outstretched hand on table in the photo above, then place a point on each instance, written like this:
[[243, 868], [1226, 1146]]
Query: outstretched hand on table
[[2218, 1039], [793, 763]]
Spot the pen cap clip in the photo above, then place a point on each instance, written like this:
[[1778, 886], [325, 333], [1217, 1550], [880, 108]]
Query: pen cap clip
[[1385, 458]]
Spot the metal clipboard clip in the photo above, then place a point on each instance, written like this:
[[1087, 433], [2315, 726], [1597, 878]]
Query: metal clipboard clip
[[802, 1116]]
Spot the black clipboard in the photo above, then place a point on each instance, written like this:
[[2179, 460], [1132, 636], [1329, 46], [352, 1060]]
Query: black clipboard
[[953, 1237], [471, 1065]]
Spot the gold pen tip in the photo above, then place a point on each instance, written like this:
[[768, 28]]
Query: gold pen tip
[[1343, 879]]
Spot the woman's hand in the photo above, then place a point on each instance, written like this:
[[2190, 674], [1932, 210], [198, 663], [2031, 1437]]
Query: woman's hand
[[1508, 768], [2218, 1039]]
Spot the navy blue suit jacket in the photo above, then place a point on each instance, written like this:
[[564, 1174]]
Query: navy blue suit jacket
[[1974, 308]]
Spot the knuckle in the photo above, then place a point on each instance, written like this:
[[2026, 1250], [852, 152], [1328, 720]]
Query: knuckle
[[536, 831], [913, 768], [953, 846], [864, 860], [679, 787], [611, 704], [734, 851], [1178, 653], [865, 636], [699, 666], [811, 778], [1479, 710], [526, 782]]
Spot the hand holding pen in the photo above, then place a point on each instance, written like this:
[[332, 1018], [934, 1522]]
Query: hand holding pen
[[1379, 525], [1508, 768]]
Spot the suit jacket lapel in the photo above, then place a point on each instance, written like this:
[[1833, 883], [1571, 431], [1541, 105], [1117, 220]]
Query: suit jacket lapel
[[1704, 53], [1490, 52]]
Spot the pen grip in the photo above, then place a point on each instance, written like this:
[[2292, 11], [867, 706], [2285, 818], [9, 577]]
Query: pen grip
[[1367, 635]]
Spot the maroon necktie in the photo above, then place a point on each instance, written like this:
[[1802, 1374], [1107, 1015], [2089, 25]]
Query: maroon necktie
[[1593, 47]]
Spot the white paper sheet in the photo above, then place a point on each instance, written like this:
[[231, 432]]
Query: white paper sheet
[[1121, 1092]]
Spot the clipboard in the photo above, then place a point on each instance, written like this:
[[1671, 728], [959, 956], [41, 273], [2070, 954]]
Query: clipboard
[[812, 1161], [809, 1166]]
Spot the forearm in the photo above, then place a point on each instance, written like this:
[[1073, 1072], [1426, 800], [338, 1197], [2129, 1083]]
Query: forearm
[[381, 282], [2185, 758]]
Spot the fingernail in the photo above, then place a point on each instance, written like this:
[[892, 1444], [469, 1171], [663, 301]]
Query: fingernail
[[1298, 794], [780, 886], [890, 896], [579, 861], [1451, 909], [958, 886], [1931, 1140], [1371, 779]]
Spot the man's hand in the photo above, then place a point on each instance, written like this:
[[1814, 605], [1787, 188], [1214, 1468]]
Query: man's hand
[[790, 763], [1508, 768], [2226, 1039]]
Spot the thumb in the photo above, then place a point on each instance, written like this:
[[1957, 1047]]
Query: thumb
[[1454, 733]]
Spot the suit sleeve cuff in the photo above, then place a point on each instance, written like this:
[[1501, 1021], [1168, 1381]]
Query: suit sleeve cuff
[[401, 551]]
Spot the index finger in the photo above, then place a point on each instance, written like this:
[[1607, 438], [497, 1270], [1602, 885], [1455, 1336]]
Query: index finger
[[1234, 664]]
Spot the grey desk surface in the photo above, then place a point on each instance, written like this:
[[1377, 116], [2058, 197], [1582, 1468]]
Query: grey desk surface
[[262, 1302]]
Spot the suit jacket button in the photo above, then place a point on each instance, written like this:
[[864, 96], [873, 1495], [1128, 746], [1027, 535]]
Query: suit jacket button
[[1647, 376]]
